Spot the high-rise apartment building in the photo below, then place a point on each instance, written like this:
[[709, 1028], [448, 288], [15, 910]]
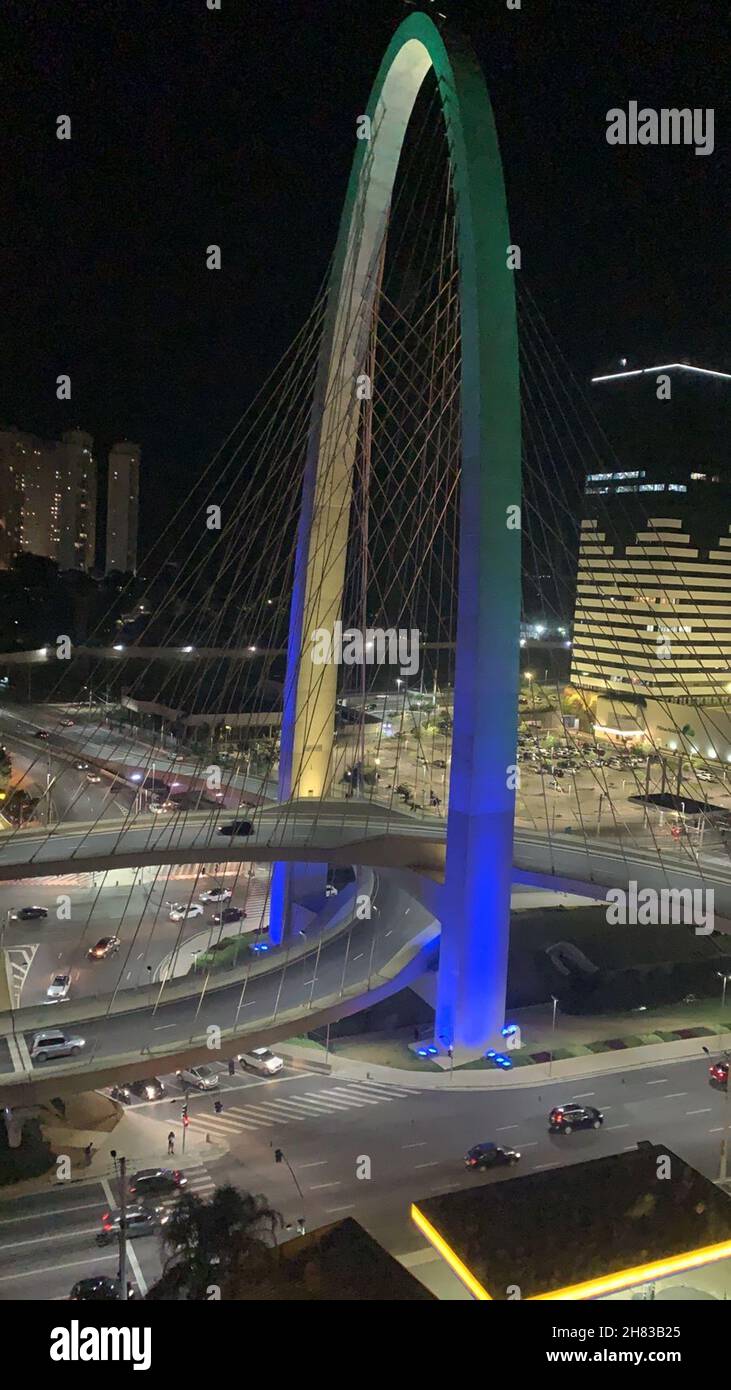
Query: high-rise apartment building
[[48, 498], [123, 491]]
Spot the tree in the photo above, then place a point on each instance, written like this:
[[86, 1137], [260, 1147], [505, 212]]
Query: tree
[[205, 1242]]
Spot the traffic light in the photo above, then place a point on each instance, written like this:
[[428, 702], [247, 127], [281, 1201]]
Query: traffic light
[[278, 1155], [186, 1117]]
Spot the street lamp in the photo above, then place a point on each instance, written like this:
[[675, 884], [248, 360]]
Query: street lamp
[[725, 979], [553, 1031]]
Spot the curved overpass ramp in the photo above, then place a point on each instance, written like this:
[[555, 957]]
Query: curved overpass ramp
[[133, 1033]]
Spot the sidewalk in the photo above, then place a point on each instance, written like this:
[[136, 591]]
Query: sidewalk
[[643, 1048], [141, 1139]]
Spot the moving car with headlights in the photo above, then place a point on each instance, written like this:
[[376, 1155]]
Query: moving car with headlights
[[199, 1078], [154, 1182], [489, 1155], [141, 1221], [563, 1119], [718, 1075], [93, 777], [105, 946], [237, 827], [180, 913], [229, 914], [216, 894], [262, 1060], [151, 1088], [99, 1287], [59, 988], [30, 914], [41, 733], [54, 1044], [67, 724]]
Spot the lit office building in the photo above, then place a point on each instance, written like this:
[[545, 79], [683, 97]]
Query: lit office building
[[652, 618]]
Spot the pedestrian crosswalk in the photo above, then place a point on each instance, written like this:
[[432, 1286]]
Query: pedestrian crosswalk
[[276, 1110], [199, 1181]]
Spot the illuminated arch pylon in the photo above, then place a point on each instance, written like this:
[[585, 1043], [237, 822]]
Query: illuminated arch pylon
[[475, 922]]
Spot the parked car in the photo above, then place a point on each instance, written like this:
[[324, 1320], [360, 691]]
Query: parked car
[[262, 1060], [199, 1078], [180, 913], [216, 894], [237, 827], [489, 1155], [98, 1287], [563, 1119], [54, 1044], [105, 946], [30, 914], [155, 1182], [229, 914], [718, 1075], [59, 988], [67, 724]]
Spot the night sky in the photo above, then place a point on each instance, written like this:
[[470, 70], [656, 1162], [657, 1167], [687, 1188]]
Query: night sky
[[192, 127]]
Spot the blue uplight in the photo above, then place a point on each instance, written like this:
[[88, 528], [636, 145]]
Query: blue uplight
[[422, 1052]]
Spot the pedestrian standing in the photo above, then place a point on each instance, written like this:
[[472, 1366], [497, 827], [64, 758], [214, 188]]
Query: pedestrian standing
[[171, 1143]]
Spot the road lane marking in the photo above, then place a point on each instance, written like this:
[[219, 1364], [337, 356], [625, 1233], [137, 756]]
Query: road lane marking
[[351, 1207], [42, 1240], [536, 1166], [62, 1211], [421, 1144], [318, 1163], [707, 1111], [612, 1128], [51, 1269], [583, 1095], [502, 1128], [661, 1082], [318, 1187], [674, 1095], [434, 1164]]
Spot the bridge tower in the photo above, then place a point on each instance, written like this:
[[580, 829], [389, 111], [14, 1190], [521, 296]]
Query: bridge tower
[[475, 922]]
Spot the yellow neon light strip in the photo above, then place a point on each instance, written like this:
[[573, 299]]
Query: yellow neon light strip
[[454, 1262], [640, 1274], [591, 1288]]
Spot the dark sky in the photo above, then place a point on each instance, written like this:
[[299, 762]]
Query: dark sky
[[191, 127]]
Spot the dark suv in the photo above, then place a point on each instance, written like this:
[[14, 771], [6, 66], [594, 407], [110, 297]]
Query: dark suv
[[237, 827], [490, 1155], [565, 1118], [154, 1182]]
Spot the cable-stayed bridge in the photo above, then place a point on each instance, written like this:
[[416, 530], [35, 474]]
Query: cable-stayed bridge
[[410, 479]]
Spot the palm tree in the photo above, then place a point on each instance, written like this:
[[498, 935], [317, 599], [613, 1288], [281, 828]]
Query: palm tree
[[204, 1241]]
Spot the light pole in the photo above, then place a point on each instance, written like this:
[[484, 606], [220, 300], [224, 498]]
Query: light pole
[[122, 1170], [553, 1032], [725, 979]]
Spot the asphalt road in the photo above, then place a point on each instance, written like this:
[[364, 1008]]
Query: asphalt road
[[137, 912], [345, 961], [414, 1139]]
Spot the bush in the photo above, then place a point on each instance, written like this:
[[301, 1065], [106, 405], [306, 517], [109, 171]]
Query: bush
[[33, 1158]]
